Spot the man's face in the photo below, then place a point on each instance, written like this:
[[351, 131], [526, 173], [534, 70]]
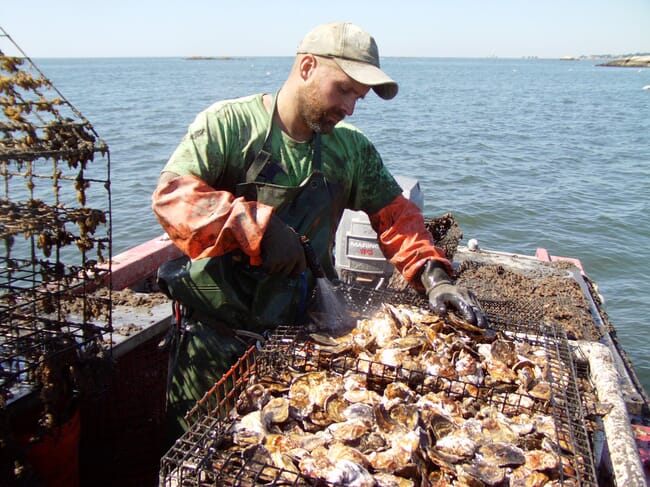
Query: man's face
[[329, 96]]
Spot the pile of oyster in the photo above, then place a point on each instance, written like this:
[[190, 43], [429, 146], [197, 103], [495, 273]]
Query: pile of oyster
[[488, 423]]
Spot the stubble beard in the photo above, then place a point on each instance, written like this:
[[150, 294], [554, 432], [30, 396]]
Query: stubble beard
[[313, 114]]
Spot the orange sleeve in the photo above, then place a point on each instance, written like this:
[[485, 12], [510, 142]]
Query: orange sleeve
[[404, 239], [204, 222]]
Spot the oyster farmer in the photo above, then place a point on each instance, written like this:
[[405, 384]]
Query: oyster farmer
[[254, 174]]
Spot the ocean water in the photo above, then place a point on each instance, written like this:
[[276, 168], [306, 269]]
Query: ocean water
[[525, 153]]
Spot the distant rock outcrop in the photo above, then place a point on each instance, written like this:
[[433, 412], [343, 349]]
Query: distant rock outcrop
[[629, 62]]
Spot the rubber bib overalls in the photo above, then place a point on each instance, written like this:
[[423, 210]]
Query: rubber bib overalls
[[237, 295]]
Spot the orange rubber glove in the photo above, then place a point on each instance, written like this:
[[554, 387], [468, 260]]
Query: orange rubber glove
[[205, 222], [405, 241]]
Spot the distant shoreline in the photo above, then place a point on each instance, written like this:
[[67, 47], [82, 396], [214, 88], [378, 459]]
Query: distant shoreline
[[602, 58], [209, 58]]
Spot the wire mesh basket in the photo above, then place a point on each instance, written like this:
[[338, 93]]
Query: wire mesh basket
[[217, 451], [55, 227]]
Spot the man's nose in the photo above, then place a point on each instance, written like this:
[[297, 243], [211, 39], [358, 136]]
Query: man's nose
[[348, 106]]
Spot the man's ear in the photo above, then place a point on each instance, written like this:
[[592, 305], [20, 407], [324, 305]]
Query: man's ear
[[307, 65]]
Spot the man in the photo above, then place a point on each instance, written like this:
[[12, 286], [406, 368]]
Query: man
[[254, 174]]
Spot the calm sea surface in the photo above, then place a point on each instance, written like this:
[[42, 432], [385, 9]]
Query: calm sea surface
[[525, 153]]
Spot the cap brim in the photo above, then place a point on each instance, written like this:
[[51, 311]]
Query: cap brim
[[369, 75]]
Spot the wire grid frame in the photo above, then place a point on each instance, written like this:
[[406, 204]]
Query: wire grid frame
[[567, 406], [55, 224], [289, 349], [521, 319], [525, 317], [196, 459], [222, 396]]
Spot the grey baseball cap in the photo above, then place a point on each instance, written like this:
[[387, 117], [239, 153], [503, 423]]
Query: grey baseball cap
[[354, 50]]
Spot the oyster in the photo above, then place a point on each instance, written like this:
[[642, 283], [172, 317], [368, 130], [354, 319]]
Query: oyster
[[346, 472], [252, 398], [348, 431], [275, 411], [502, 454], [311, 390], [457, 446], [407, 398], [339, 451], [335, 407], [481, 473], [385, 479], [359, 411], [541, 460], [504, 351]]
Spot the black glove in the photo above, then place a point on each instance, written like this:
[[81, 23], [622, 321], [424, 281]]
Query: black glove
[[444, 295], [282, 252]]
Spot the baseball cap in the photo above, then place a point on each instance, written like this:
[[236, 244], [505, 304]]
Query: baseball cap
[[354, 50]]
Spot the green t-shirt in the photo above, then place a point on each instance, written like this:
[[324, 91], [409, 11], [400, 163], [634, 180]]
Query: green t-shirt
[[224, 139]]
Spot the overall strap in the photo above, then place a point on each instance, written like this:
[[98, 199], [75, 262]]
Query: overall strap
[[317, 143], [263, 157], [258, 172]]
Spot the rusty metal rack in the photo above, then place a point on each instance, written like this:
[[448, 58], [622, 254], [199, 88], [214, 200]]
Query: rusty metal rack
[[196, 458], [199, 458], [55, 225]]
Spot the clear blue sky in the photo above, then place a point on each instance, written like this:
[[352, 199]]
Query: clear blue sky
[[436, 28]]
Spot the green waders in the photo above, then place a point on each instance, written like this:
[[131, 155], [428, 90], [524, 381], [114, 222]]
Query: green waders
[[200, 360], [235, 295]]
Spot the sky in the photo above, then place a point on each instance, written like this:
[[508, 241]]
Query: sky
[[429, 28]]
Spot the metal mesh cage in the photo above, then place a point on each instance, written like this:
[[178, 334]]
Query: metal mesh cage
[[205, 454], [55, 225]]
